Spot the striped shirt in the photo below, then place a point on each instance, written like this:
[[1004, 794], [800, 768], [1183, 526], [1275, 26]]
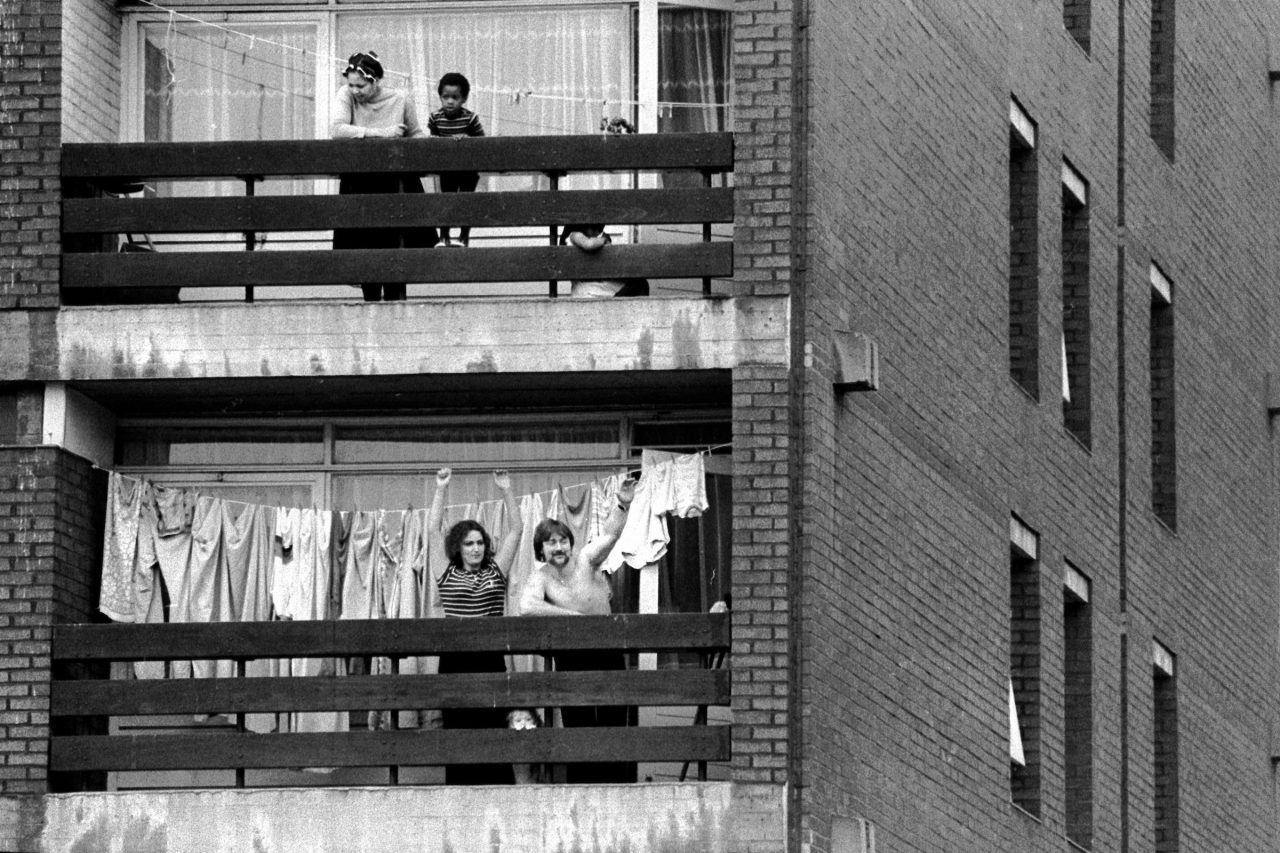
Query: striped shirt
[[465, 123], [479, 593]]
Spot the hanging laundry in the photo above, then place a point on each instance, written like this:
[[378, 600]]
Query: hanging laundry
[[119, 548], [603, 497], [689, 484], [644, 538]]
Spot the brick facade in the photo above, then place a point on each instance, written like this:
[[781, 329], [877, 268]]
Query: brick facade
[[909, 489], [51, 511], [30, 132]]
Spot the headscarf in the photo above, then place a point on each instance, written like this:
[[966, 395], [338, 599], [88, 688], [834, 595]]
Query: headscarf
[[364, 64]]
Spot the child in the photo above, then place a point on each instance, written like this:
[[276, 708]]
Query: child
[[524, 719], [455, 120]]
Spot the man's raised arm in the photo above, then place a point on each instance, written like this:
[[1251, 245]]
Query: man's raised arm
[[594, 552]]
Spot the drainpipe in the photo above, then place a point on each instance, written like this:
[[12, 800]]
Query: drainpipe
[[797, 399]]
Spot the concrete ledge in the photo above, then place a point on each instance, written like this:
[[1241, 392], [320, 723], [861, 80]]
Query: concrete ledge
[[278, 339], [647, 818]]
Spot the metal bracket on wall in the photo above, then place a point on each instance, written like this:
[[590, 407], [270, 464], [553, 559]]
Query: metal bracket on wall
[[857, 362]]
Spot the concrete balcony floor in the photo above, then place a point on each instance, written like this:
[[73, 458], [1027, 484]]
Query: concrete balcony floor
[[358, 339]]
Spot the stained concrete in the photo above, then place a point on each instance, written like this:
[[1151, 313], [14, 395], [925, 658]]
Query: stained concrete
[[645, 818], [201, 340]]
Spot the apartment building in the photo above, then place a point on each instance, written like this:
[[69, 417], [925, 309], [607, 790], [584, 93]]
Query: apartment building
[[963, 307]]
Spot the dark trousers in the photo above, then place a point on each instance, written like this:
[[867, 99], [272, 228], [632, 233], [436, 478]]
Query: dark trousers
[[605, 715], [422, 237], [458, 182], [475, 718]]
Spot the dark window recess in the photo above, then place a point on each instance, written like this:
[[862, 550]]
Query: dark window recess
[[1024, 265], [1076, 403], [1163, 60], [1076, 16], [1024, 668], [1166, 762], [1164, 468], [1077, 713]]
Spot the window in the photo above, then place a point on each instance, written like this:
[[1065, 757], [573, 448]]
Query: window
[[553, 69], [1024, 665], [1024, 253], [1076, 18], [1075, 305], [1165, 743], [1164, 494], [1163, 58], [1077, 710]]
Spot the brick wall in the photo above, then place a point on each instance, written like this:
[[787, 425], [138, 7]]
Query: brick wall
[[91, 71], [764, 186], [909, 489], [761, 589], [51, 509], [29, 136]]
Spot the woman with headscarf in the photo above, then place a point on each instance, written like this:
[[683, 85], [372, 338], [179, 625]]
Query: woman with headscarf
[[366, 108]]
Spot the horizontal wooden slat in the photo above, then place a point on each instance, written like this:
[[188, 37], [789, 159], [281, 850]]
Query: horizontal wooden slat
[[395, 637], [374, 266], [354, 693], [160, 160], [372, 749], [310, 213]]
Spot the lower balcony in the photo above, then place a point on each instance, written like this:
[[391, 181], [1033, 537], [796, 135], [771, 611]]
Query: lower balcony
[[183, 755]]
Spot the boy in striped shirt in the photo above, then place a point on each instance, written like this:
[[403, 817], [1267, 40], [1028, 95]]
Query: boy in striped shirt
[[454, 120]]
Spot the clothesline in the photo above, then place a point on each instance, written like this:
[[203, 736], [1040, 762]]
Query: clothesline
[[515, 95], [707, 451]]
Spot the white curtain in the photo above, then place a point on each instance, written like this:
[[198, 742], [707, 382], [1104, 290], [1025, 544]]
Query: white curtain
[[568, 66], [205, 84]]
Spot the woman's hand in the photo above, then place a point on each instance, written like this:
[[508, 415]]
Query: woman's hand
[[502, 479], [443, 476], [391, 132]]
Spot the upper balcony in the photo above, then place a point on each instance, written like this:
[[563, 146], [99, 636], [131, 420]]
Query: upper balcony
[[172, 234], [237, 258]]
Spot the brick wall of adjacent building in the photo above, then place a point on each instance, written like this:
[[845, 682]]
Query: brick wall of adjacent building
[[30, 131], [1200, 203], [909, 490], [51, 511]]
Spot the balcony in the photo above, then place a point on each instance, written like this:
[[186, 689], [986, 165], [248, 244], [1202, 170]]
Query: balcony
[[223, 243], [85, 702]]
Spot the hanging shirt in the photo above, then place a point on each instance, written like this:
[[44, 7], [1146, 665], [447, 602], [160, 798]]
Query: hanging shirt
[[689, 485], [120, 547]]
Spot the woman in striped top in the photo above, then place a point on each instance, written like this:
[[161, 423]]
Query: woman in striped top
[[474, 584]]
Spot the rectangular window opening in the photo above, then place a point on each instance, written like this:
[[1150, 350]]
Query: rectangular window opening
[[1163, 51], [1077, 668], [1024, 255], [1076, 18], [1165, 743], [1024, 668], [1164, 497], [1076, 349]]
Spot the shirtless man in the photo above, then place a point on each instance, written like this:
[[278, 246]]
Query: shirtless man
[[573, 584], [569, 584]]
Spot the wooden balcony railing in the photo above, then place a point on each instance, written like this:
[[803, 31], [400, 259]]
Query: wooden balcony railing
[[93, 219], [83, 703]]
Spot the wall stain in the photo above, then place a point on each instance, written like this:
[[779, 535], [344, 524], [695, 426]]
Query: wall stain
[[142, 836], [686, 342], [486, 364], [644, 351], [264, 367], [317, 365]]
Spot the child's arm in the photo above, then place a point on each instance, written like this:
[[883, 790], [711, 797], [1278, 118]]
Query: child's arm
[[589, 244], [475, 128]]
